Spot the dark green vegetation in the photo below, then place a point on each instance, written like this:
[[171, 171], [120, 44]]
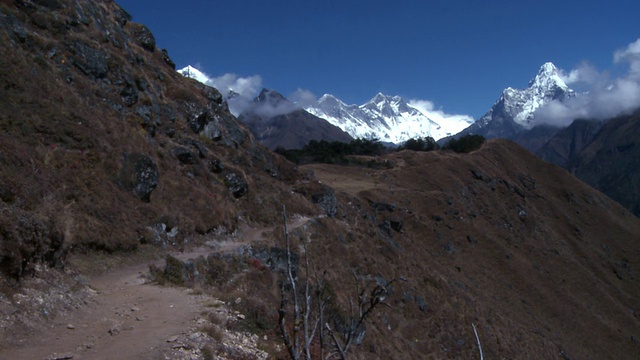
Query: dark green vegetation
[[337, 152], [465, 144], [420, 144], [334, 152]]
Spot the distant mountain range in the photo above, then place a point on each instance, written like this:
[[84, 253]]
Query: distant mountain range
[[388, 118]]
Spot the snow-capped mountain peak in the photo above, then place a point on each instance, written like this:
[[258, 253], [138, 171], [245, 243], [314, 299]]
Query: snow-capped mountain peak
[[521, 104], [328, 101], [515, 109], [191, 72], [548, 78]]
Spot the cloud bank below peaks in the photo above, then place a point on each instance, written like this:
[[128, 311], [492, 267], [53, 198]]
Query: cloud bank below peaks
[[604, 98], [457, 122]]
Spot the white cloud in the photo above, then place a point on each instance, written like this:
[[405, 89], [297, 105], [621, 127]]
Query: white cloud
[[455, 121], [605, 99], [244, 86], [631, 55], [584, 73], [304, 98]]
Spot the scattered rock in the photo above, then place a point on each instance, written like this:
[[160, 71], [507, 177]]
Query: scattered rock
[[388, 225], [236, 184], [61, 357], [115, 329], [422, 304], [480, 175], [173, 339], [183, 154], [129, 95], [383, 207], [522, 214], [70, 326], [471, 239], [215, 166], [122, 16], [202, 150]]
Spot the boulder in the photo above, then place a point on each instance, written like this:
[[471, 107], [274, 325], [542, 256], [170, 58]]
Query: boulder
[[236, 184], [215, 166], [183, 154], [144, 37], [326, 199], [234, 135], [129, 95], [139, 174]]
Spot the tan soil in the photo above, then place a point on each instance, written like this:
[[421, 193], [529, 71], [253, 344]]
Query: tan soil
[[126, 319]]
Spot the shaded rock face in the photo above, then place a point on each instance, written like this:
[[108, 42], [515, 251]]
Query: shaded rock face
[[604, 154], [236, 184], [89, 60], [569, 142], [139, 174]]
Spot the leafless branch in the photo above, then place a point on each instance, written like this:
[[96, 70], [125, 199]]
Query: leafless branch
[[478, 339]]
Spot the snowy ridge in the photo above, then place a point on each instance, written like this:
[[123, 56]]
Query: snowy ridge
[[387, 118], [194, 73]]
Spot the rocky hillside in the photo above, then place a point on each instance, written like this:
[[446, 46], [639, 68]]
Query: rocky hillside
[[105, 149], [540, 262], [101, 140]]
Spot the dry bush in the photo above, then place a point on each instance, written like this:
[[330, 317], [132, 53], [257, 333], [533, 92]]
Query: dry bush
[[214, 331]]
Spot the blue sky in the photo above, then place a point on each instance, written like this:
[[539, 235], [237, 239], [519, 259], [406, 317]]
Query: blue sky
[[459, 55]]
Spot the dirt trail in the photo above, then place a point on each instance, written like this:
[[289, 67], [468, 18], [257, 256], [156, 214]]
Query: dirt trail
[[127, 318]]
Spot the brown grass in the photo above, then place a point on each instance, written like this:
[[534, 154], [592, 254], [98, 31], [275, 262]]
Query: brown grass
[[560, 278]]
